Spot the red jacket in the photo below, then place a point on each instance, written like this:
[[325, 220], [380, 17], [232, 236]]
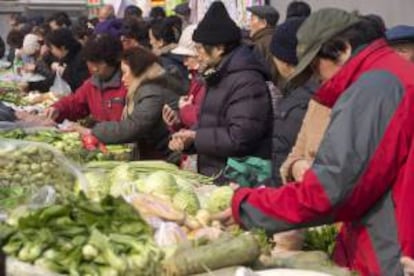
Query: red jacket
[[363, 172], [189, 113], [103, 101]]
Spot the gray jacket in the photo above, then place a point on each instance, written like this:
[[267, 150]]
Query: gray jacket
[[144, 125]]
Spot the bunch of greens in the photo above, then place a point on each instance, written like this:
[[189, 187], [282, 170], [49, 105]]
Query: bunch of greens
[[321, 238], [85, 238]]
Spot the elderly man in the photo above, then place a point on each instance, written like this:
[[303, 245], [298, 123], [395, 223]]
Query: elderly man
[[262, 25], [401, 39]]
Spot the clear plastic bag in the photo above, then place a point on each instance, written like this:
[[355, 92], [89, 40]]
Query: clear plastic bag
[[169, 234], [60, 87], [33, 166]]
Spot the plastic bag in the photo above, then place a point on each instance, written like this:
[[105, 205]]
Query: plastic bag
[[169, 234], [33, 165], [60, 88]]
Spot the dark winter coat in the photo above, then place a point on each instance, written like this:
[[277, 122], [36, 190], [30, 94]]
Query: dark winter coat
[[287, 121], [261, 41], [235, 117], [76, 71], [144, 125], [174, 64]]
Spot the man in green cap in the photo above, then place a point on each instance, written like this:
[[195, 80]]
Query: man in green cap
[[362, 174]]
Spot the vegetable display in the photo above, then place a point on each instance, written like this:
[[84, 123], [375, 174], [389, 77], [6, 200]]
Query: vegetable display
[[69, 143], [84, 238], [27, 166]]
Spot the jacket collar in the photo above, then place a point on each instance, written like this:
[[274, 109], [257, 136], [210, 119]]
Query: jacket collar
[[268, 31], [349, 73], [113, 82]]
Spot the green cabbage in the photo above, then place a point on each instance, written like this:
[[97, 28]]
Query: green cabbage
[[161, 183], [183, 184], [220, 199], [187, 202], [121, 177]]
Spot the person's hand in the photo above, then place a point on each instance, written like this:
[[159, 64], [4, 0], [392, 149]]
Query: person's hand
[[57, 68], [170, 116], [75, 127], [299, 168], [408, 265], [176, 144], [51, 113], [34, 119], [226, 216], [186, 136], [185, 100]]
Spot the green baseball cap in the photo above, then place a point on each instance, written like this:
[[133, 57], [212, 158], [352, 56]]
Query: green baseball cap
[[317, 29]]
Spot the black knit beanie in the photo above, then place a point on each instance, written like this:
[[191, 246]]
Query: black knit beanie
[[217, 27], [283, 44]]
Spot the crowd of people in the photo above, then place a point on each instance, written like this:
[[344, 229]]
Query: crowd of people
[[324, 97]]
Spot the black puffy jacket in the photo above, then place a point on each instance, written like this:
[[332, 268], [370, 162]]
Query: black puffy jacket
[[235, 117]]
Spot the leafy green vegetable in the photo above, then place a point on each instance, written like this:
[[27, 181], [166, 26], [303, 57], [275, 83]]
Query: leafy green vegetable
[[85, 238], [220, 199]]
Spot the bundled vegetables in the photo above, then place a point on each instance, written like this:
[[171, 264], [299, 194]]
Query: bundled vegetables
[[84, 238]]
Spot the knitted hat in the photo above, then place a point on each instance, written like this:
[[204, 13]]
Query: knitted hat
[[30, 44], [284, 42], [217, 27], [186, 45]]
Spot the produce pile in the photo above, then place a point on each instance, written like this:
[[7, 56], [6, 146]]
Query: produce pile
[[157, 187], [123, 178], [25, 167], [11, 94], [69, 143], [84, 238]]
